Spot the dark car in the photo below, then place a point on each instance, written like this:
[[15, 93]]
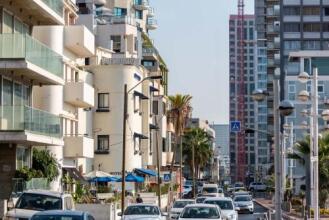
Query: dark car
[[62, 215]]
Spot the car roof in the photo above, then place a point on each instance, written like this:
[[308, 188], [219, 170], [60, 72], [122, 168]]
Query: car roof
[[47, 192], [142, 204], [201, 205], [61, 212], [219, 199], [184, 200], [242, 196]]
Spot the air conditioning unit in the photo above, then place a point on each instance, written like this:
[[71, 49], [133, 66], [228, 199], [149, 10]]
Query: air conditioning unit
[[276, 26]]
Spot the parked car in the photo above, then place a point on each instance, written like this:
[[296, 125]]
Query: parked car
[[238, 184], [31, 202], [228, 210], [200, 211], [240, 193], [244, 203], [178, 207], [256, 186], [210, 189], [142, 211], [62, 215]]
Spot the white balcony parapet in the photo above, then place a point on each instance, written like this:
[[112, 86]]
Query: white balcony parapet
[[78, 146], [79, 94], [151, 24], [79, 40], [32, 58]]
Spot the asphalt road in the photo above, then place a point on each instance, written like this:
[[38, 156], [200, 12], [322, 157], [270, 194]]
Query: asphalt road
[[259, 212]]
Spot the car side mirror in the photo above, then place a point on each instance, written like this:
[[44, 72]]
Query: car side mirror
[[164, 214], [237, 209], [119, 213], [10, 204]]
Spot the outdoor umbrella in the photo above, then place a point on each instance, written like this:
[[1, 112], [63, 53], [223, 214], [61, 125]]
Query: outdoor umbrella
[[132, 178], [100, 176], [104, 179]]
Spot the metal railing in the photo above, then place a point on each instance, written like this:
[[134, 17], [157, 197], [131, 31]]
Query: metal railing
[[25, 118], [56, 5], [16, 46]]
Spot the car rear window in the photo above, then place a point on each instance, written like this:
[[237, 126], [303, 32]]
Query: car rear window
[[39, 202]]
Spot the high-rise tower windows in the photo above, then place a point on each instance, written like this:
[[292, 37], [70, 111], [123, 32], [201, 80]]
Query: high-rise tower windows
[[291, 11], [311, 10], [291, 27], [312, 27]]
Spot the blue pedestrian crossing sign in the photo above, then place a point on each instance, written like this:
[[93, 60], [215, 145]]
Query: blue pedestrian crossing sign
[[235, 126], [166, 177]]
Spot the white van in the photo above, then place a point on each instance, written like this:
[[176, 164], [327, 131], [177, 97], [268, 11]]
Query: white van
[[210, 190]]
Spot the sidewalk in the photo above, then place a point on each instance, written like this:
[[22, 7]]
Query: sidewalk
[[266, 203]]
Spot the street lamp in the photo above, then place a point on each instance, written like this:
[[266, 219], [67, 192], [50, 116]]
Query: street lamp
[[285, 108], [303, 95], [125, 115]]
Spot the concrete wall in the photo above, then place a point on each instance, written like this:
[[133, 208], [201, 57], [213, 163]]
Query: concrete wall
[[7, 169], [100, 211]]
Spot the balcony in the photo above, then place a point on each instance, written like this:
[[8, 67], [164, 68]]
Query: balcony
[[141, 4], [150, 12], [79, 94], [29, 125], [123, 20], [78, 147], [150, 53], [152, 24], [80, 40], [46, 11], [30, 58]]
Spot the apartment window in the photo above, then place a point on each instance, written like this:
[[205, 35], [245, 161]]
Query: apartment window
[[8, 25], [308, 10], [291, 27], [103, 101], [325, 27], [325, 45], [7, 92], [119, 12], [311, 45], [135, 43], [103, 143], [321, 87], [116, 43], [309, 27], [292, 45], [291, 11], [22, 157], [147, 63], [326, 11], [155, 107], [139, 14]]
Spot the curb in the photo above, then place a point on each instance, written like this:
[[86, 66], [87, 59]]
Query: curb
[[285, 216]]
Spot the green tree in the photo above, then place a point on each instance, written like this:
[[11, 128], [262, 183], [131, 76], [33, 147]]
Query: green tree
[[199, 141], [179, 112], [302, 154], [44, 162]]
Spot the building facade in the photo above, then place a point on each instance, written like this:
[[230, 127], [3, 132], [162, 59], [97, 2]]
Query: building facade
[[45, 90], [125, 55], [249, 85]]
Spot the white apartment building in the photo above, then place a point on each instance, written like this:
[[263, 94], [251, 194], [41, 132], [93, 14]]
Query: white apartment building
[[126, 55], [45, 92]]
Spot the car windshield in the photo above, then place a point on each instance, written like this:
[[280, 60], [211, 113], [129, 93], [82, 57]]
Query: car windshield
[[238, 185], [222, 204], [210, 190], [200, 212], [242, 199], [38, 202], [182, 204], [142, 210], [200, 200], [56, 217]]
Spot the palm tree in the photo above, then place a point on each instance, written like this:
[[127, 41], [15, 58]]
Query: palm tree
[[179, 112], [197, 150], [302, 154]]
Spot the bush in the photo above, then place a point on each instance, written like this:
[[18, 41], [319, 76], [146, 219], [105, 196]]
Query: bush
[[296, 202], [28, 173]]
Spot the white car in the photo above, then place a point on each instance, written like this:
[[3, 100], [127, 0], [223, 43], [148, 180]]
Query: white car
[[210, 189], [255, 186], [244, 203], [200, 211], [31, 202], [142, 211], [228, 210], [178, 207]]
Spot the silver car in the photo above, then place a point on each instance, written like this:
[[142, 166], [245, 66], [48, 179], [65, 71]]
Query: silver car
[[62, 215], [142, 211], [200, 211], [244, 203]]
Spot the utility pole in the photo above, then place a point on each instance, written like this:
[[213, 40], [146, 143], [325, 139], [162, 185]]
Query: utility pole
[[193, 169], [181, 167], [123, 171], [158, 163], [277, 158]]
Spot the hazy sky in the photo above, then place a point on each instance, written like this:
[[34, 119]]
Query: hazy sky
[[193, 40]]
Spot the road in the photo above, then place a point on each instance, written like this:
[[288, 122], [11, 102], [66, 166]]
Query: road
[[259, 212]]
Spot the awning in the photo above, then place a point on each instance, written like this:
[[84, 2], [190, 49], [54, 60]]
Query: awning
[[140, 136], [153, 89], [74, 174], [141, 95], [153, 127], [145, 172]]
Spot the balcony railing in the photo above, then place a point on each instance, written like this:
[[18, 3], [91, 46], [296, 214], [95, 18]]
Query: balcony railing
[[25, 118], [23, 46], [56, 5], [123, 20]]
